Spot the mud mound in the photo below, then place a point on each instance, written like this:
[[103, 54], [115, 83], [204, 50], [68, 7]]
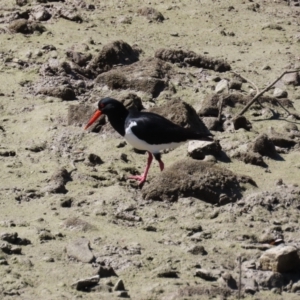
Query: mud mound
[[117, 52], [263, 145], [282, 196], [149, 76], [25, 27], [151, 13], [181, 113], [192, 59], [250, 157], [202, 180]]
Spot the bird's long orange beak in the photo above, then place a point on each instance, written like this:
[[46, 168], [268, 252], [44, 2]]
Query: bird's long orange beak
[[95, 116]]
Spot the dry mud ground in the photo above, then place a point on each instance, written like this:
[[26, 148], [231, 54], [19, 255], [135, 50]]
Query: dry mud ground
[[150, 248]]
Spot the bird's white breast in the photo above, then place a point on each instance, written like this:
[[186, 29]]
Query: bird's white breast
[[137, 143]]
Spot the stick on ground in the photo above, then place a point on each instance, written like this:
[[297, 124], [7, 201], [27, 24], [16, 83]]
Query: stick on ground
[[264, 90]]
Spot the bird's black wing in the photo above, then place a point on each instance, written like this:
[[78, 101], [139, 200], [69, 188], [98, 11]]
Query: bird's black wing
[[155, 129]]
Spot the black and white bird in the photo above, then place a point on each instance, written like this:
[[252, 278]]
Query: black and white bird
[[145, 131]]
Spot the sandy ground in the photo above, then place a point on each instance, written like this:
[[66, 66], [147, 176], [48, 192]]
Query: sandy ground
[[43, 270]]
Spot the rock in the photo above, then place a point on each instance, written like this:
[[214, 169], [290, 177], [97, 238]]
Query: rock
[[7, 153], [280, 259], [226, 280], [78, 224], [212, 123], [127, 217], [166, 272], [279, 93], [86, 284], [269, 280], [264, 146], [57, 182], [291, 79], [151, 13], [119, 286], [221, 86], [125, 20], [3, 261], [104, 272], [66, 202], [70, 14], [241, 122], [196, 237], [48, 259], [250, 286], [21, 2], [193, 178], [14, 239], [42, 15], [205, 274], [19, 25], [296, 287], [199, 149], [122, 294], [235, 85], [36, 147], [46, 236], [80, 250], [193, 228], [94, 159], [196, 250], [9, 249], [150, 228]]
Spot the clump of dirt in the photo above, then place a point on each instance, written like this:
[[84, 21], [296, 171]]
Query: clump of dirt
[[26, 27], [264, 146], [192, 59], [149, 76], [117, 52], [190, 178], [180, 113], [151, 13]]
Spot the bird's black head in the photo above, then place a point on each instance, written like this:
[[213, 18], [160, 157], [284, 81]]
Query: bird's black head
[[115, 111], [109, 106]]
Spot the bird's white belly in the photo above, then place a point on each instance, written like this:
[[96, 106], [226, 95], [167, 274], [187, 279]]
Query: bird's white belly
[[142, 145]]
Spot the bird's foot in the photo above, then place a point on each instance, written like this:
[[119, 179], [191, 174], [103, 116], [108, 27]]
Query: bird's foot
[[140, 178]]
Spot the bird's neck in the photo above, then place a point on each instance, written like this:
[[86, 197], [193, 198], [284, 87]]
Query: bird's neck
[[117, 120]]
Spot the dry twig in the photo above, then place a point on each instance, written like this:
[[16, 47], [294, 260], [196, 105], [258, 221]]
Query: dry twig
[[264, 90], [247, 80], [240, 277], [221, 102]]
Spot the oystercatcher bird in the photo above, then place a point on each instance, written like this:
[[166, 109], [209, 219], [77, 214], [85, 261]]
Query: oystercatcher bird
[[145, 131]]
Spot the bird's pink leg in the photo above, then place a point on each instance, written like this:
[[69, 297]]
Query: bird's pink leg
[[142, 178]]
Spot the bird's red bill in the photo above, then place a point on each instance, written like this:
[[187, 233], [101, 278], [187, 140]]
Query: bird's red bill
[[95, 116]]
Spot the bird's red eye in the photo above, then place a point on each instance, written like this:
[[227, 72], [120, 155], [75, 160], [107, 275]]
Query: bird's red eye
[[102, 105]]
